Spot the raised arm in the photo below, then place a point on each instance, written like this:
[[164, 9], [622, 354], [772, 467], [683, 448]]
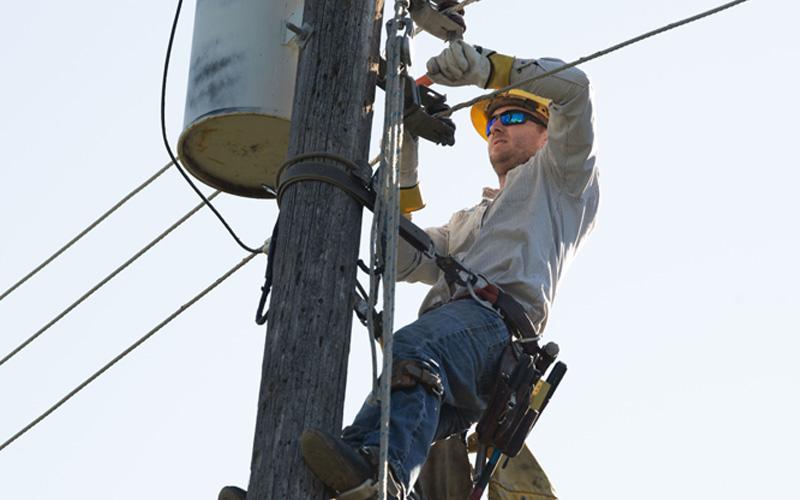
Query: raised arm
[[570, 149]]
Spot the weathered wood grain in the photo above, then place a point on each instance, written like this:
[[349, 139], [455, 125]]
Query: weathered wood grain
[[308, 334]]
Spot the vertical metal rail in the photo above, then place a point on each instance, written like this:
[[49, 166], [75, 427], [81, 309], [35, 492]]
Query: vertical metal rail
[[384, 236]]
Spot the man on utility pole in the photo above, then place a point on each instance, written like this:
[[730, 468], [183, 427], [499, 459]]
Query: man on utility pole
[[519, 240], [308, 336]]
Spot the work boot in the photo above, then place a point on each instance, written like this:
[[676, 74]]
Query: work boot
[[232, 493], [334, 462]]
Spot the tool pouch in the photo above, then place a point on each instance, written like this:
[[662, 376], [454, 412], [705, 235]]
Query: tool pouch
[[505, 419]]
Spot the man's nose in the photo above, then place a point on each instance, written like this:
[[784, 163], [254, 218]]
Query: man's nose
[[497, 126]]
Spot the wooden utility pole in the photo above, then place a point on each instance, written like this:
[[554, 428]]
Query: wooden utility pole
[[310, 311]]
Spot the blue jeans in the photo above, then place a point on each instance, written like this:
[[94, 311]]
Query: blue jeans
[[462, 341]]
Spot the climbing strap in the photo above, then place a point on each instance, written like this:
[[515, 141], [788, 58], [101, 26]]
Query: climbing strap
[[517, 320], [357, 189], [409, 373]]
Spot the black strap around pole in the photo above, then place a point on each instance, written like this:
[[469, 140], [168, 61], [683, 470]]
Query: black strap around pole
[[353, 186]]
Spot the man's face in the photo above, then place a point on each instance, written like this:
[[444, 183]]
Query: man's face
[[512, 145]]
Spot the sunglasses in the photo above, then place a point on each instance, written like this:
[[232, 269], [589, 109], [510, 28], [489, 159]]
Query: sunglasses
[[511, 117]]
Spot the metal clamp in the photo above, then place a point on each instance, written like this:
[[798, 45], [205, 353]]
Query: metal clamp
[[436, 21], [297, 35]]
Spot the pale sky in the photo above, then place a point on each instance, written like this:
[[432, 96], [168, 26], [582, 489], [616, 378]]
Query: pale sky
[[678, 319]]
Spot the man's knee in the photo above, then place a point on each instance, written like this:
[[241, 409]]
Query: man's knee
[[410, 373]]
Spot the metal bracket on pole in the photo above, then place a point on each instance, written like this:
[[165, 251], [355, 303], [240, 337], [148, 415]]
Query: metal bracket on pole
[[297, 36]]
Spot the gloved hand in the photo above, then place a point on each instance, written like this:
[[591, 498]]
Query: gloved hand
[[409, 162], [461, 64]]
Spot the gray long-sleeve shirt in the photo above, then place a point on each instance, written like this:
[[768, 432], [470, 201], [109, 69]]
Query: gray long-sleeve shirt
[[524, 238]]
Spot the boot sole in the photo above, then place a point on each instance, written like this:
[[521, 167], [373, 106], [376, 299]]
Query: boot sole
[[322, 457], [232, 493]]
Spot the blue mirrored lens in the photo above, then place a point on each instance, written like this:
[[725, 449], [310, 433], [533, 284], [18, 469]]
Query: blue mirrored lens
[[508, 118], [489, 126], [513, 118]]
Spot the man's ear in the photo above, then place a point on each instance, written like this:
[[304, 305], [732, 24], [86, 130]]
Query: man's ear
[[545, 136]]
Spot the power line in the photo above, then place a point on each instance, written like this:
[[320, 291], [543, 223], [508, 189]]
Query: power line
[[601, 53], [127, 351], [85, 231], [105, 280]]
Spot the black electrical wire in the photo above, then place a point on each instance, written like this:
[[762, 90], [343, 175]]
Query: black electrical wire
[[166, 141]]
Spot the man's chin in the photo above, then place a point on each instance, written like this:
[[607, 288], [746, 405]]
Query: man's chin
[[501, 159]]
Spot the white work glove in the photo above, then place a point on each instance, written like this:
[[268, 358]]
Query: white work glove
[[410, 194], [461, 64], [409, 160]]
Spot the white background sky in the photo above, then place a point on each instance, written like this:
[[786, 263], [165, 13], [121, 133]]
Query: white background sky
[[678, 320]]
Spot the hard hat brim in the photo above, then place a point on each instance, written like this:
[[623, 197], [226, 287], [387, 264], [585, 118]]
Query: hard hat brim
[[479, 113]]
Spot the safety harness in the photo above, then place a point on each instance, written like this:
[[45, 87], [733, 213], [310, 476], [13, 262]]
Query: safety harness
[[305, 169], [521, 392]]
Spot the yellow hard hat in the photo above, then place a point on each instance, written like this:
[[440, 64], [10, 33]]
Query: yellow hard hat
[[481, 110]]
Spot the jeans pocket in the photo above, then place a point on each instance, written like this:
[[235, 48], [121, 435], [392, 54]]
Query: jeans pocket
[[488, 378]]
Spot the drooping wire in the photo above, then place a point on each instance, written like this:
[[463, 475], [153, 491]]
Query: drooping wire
[[85, 231], [588, 58], [103, 281], [127, 351], [166, 140]]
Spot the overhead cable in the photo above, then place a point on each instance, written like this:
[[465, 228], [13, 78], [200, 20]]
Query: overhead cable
[[127, 351], [103, 281], [85, 231], [166, 140], [601, 53]]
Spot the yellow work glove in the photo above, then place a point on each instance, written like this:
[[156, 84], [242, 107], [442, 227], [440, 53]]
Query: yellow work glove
[[501, 71]]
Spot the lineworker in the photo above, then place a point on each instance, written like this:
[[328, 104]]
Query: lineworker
[[521, 236]]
